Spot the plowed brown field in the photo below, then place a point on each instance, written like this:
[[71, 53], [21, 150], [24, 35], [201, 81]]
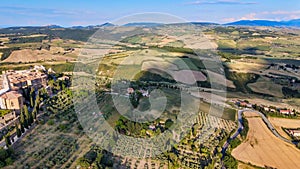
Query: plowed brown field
[[262, 148]]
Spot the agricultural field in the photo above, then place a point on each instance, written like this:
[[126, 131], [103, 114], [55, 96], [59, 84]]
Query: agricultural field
[[246, 66], [293, 102], [262, 148], [280, 123], [247, 166], [28, 55], [254, 42]]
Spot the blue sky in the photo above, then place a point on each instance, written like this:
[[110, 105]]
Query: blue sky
[[92, 12]]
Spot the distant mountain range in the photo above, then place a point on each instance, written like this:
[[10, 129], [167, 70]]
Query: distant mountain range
[[93, 26], [290, 23]]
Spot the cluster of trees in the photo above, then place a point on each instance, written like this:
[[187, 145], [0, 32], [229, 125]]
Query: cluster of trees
[[7, 51], [58, 85], [125, 126], [230, 162], [6, 157], [290, 93], [241, 80], [27, 39], [235, 142], [229, 56], [155, 77], [135, 98], [96, 158], [245, 129]]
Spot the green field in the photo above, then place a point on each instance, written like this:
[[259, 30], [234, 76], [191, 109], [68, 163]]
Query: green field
[[266, 86]]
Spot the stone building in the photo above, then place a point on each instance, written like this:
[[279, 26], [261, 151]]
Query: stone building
[[11, 100]]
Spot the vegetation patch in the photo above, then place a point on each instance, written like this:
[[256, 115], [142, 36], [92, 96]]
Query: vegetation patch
[[241, 80]]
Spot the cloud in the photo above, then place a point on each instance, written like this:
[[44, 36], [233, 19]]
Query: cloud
[[279, 15], [222, 2], [282, 15], [280, 12], [251, 16]]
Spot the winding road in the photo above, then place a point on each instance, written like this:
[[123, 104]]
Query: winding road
[[241, 127]]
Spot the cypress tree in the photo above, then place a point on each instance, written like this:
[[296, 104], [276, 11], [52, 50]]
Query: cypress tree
[[34, 113], [37, 99], [7, 140], [37, 106], [22, 128], [18, 131], [28, 116], [31, 95], [23, 120]]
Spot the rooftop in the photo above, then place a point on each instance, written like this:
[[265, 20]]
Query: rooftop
[[11, 95], [24, 75]]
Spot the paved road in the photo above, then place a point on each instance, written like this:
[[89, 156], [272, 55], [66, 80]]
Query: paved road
[[241, 127]]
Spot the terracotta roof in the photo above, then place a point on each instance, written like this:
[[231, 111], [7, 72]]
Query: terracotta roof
[[285, 111], [23, 76], [11, 95]]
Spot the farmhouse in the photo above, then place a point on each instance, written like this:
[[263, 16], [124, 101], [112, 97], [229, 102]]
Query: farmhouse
[[266, 108], [283, 111], [295, 133]]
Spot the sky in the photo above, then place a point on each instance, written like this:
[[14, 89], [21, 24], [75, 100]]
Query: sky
[[96, 12]]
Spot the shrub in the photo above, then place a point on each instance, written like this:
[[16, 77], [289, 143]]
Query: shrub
[[50, 122]]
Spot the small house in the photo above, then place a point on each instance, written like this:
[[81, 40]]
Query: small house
[[283, 111]]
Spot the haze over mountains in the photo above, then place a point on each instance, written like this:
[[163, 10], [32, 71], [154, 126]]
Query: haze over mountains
[[290, 23]]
